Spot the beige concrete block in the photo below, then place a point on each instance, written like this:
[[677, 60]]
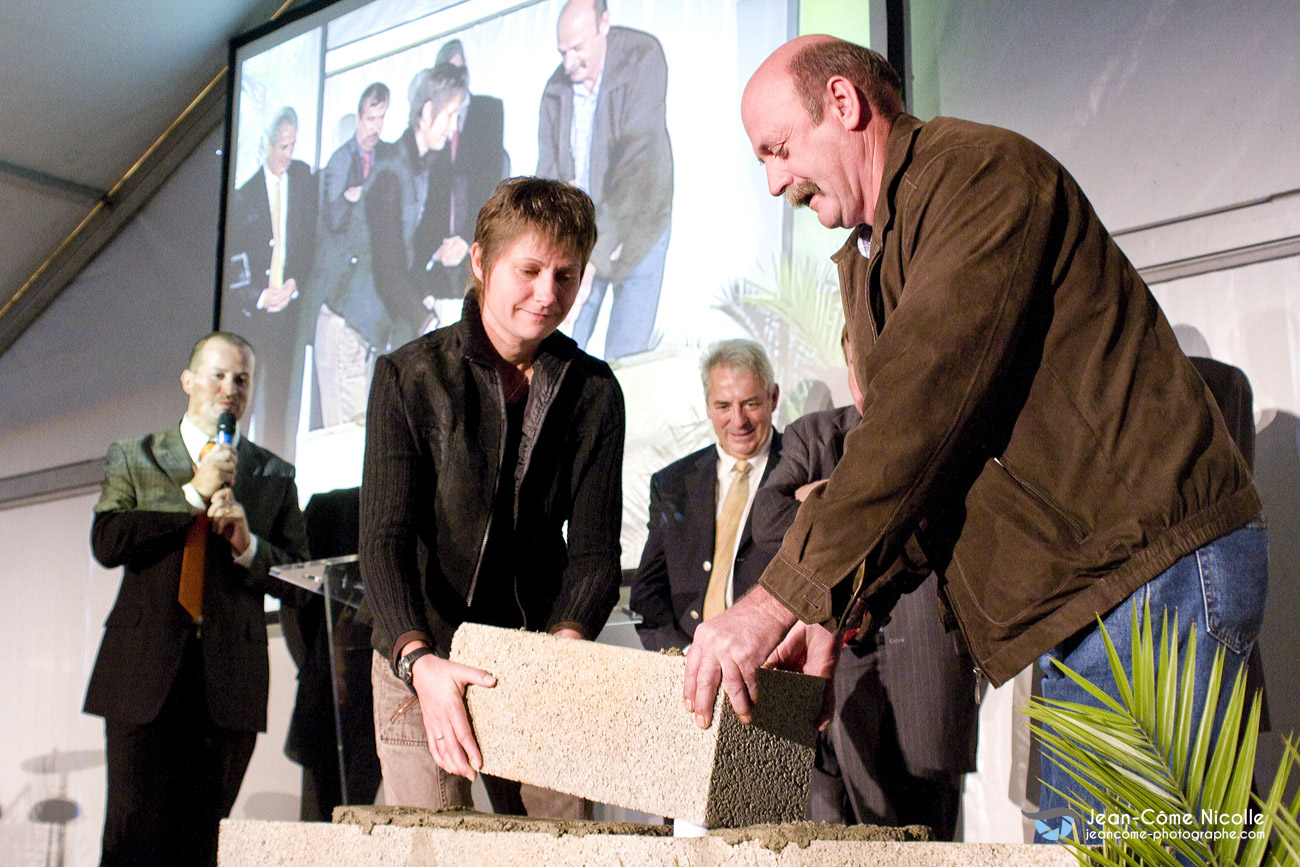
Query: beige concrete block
[[391, 837], [607, 723]]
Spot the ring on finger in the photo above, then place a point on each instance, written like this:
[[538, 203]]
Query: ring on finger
[[437, 737]]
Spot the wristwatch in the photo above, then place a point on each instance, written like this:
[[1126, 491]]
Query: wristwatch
[[406, 664]]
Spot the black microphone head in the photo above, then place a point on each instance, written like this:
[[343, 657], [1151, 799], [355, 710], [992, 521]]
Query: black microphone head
[[226, 427]]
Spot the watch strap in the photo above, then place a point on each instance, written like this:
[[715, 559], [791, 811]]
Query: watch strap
[[406, 665]]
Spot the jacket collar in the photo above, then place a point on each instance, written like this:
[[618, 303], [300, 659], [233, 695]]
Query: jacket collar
[[898, 154], [554, 352], [554, 355], [172, 456], [411, 151]]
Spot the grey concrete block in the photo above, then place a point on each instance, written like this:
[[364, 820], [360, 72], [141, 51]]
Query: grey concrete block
[[607, 724]]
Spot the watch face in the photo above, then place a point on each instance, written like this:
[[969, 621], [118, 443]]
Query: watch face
[[406, 663]]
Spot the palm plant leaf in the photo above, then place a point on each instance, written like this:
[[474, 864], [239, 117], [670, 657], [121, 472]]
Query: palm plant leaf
[[1137, 754], [793, 309], [1254, 852]]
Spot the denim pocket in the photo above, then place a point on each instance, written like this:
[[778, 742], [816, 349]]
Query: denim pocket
[[1234, 584], [398, 720]]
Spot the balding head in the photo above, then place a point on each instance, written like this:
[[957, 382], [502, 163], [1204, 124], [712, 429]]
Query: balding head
[[807, 64], [822, 144], [581, 37]]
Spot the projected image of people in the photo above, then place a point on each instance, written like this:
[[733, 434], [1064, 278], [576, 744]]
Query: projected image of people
[[602, 127], [273, 238], [463, 175], [352, 323], [400, 243]]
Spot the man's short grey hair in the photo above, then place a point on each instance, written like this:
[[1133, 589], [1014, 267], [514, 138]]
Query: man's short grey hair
[[285, 115], [739, 354]]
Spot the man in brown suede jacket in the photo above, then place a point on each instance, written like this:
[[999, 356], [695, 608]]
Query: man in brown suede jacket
[[1030, 428]]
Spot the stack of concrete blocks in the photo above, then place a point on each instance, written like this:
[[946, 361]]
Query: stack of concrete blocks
[[607, 723], [426, 839]]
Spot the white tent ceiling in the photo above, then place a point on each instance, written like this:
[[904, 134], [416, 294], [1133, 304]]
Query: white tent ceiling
[[86, 89]]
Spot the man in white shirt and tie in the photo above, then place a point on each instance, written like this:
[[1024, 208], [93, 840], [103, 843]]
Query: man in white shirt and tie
[[272, 232], [699, 556]]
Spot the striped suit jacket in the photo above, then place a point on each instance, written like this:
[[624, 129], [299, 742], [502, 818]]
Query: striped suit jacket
[[928, 679], [140, 524]]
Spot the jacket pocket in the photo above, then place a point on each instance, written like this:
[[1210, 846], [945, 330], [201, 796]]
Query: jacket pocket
[[1073, 525], [1017, 553]]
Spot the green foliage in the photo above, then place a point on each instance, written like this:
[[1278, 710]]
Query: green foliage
[[1140, 754], [794, 311]]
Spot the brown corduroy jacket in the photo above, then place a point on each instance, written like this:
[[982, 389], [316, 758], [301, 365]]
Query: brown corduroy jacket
[[1031, 427]]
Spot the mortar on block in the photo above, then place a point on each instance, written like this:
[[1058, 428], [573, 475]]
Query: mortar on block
[[606, 723]]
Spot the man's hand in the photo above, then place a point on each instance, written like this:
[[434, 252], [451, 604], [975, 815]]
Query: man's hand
[[229, 520], [353, 194], [275, 300], [729, 649], [810, 649], [451, 252], [802, 492], [216, 470], [440, 685]]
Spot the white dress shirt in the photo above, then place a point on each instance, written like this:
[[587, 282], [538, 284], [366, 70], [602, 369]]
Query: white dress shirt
[[582, 132]]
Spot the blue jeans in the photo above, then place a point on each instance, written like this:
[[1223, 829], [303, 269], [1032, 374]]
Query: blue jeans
[[632, 314], [1219, 588]]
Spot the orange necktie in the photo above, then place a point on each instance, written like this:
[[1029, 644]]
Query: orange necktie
[[190, 594]]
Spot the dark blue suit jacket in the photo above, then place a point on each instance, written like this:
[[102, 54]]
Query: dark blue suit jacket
[[668, 591]]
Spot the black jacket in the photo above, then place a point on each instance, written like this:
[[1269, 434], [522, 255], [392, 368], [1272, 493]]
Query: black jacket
[[434, 448]]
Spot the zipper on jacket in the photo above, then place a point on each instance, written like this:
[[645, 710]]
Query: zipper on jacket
[[496, 483], [525, 455], [1080, 532], [980, 677]]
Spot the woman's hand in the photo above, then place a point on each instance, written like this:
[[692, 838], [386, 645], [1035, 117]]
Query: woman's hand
[[440, 685]]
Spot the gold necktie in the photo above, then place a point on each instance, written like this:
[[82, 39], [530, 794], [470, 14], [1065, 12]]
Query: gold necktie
[[277, 238], [724, 547], [190, 594]]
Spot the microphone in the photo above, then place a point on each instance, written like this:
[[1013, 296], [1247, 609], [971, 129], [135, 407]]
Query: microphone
[[226, 428], [226, 432]]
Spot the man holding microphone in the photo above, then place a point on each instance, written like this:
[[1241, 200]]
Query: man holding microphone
[[196, 515]]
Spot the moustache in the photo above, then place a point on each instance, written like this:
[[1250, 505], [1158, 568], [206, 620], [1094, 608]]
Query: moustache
[[801, 193]]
